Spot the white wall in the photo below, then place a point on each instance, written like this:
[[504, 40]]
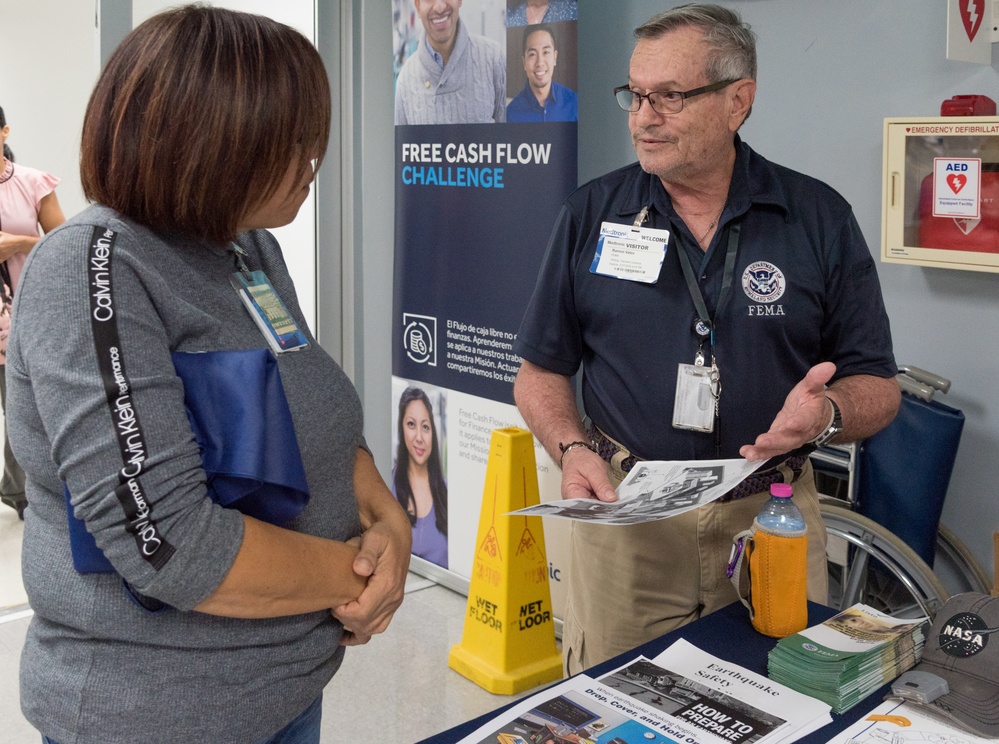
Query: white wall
[[48, 65]]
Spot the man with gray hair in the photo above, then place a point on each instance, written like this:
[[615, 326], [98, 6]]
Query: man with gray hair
[[754, 326]]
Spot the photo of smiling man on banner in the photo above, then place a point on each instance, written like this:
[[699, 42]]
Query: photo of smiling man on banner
[[542, 98], [456, 74]]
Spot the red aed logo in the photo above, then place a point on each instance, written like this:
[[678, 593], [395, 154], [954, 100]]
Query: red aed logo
[[971, 16], [956, 181]]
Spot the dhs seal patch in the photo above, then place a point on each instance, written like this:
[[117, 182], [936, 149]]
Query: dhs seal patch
[[763, 282]]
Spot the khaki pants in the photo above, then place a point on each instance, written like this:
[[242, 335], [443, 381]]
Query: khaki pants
[[629, 584]]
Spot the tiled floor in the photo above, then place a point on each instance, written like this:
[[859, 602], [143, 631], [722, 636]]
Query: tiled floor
[[397, 689]]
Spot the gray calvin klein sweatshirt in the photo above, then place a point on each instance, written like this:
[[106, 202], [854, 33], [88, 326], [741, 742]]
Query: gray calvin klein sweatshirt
[[96, 668]]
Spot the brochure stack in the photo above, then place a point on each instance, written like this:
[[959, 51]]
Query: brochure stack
[[848, 656]]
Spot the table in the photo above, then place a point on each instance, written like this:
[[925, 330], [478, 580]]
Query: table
[[727, 634]]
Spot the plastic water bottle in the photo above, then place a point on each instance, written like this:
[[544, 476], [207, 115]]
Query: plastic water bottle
[[778, 566], [780, 514]]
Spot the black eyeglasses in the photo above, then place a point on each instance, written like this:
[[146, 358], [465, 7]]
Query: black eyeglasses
[[663, 101]]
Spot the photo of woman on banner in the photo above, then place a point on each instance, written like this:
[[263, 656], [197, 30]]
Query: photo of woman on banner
[[418, 476]]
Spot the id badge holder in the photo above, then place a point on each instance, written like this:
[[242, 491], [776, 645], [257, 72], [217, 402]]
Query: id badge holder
[[694, 405], [268, 311]]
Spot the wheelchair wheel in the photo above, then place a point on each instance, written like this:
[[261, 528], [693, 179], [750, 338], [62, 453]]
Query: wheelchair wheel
[[870, 564], [956, 566]]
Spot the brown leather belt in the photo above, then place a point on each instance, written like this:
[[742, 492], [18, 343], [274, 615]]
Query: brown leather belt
[[758, 482]]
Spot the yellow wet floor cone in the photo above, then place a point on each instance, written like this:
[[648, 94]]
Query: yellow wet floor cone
[[508, 644]]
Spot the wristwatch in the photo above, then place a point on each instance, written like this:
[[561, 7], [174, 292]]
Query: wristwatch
[[833, 430]]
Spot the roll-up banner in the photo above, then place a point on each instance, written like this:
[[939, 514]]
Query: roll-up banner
[[485, 149]]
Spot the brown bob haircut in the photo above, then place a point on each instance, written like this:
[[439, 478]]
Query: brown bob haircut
[[197, 117]]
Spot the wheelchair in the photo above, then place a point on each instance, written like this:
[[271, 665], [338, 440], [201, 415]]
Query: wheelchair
[[881, 501]]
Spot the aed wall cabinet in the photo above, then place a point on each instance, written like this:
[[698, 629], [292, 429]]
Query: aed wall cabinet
[[941, 192]]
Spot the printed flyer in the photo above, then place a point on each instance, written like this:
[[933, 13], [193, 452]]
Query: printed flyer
[[655, 489], [683, 696]]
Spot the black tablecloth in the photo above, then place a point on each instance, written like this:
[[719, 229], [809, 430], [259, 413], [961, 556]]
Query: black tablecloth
[[727, 634]]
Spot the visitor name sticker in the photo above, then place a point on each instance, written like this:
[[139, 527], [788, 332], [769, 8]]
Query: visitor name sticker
[[630, 252]]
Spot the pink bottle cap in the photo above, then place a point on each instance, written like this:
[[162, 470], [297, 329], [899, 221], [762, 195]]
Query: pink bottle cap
[[781, 490]]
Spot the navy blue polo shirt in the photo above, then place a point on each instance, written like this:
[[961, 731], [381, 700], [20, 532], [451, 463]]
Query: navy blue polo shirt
[[561, 105], [805, 290]]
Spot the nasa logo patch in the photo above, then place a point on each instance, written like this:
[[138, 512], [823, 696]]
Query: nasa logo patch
[[763, 282], [964, 635]]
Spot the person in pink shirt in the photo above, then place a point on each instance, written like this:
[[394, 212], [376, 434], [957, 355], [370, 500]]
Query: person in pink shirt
[[27, 201]]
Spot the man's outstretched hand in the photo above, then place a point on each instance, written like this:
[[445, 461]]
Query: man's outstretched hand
[[804, 416]]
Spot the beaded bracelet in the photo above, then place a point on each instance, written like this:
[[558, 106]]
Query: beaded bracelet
[[563, 448]]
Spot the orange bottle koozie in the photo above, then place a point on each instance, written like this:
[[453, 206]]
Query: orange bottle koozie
[[778, 577]]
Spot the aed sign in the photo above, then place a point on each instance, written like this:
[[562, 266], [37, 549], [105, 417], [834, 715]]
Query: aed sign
[[957, 187]]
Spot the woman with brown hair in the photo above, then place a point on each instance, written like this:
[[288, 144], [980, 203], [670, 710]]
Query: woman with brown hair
[[187, 597]]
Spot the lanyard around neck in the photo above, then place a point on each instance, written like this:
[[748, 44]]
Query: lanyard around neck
[[705, 317], [728, 274]]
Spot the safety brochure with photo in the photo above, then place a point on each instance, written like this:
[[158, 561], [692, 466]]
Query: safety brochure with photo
[[848, 656], [655, 489], [897, 722], [684, 695]]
